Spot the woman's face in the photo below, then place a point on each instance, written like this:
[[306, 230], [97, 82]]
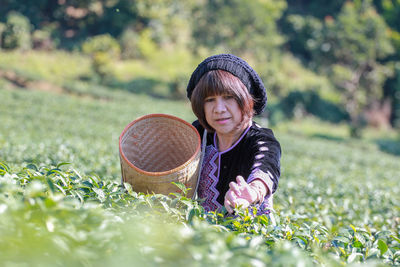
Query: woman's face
[[223, 114]]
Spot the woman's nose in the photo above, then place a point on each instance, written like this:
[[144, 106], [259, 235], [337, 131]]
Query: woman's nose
[[220, 105]]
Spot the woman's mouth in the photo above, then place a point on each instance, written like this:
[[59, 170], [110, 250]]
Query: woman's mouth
[[222, 120]]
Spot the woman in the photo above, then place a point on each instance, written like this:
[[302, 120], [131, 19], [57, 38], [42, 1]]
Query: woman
[[241, 165]]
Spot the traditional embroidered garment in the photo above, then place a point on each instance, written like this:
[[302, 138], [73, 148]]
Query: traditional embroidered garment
[[255, 155]]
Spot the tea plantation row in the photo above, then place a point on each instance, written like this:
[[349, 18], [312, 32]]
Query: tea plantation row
[[338, 201]]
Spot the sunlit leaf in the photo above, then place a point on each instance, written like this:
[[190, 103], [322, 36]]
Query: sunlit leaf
[[382, 246]]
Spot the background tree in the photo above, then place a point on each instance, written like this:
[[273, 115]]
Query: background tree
[[340, 50], [349, 49], [390, 10], [240, 27]]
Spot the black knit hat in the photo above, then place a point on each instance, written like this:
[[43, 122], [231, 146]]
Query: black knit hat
[[237, 67]]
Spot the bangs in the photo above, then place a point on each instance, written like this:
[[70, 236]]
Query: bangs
[[214, 84]]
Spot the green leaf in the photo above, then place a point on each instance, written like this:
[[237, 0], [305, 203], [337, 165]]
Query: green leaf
[[352, 257], [77, 173], [61, 189], [343, 251], [100, 194], [51, 185], [305, 241], [4, 168], [181, 186], [263, 220], [395, 238], [128, 187], [32, 167], [342, 239], [372, 253], [357, 244], [165, 206], [94, 181], [247, 218], [360, 238], [61, 164], [382, 246], [194, 212], [79, 195]]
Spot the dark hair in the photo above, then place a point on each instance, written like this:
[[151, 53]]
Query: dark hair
[[220, 82]]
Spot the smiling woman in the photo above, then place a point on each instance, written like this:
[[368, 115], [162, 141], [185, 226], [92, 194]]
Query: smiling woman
[[241, 165], [225, 117]]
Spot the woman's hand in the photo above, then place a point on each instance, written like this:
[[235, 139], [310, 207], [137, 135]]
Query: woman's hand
[[240, 194]]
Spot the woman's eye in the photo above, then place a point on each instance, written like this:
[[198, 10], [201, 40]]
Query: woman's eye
[[209, 99], [228, 97]]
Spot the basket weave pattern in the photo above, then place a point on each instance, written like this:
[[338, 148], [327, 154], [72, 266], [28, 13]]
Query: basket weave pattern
[[158, 149]]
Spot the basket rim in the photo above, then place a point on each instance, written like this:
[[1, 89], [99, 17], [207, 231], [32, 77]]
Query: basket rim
[[180, 167]]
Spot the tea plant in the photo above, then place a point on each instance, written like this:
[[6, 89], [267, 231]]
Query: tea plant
[[338, 201], [48, 213]]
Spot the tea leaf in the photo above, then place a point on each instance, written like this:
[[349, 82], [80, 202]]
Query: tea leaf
[[382, 246]]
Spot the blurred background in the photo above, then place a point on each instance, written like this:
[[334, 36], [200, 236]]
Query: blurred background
[[334, 61]]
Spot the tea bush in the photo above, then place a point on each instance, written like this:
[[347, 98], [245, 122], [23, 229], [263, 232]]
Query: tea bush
[[337, 203]]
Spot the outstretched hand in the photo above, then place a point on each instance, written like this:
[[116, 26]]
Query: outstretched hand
[[239, 194]]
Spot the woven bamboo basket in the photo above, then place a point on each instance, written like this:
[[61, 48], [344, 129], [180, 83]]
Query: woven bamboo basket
[[158, 149]]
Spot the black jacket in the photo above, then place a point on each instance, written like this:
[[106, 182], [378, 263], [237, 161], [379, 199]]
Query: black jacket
[[256, 149]]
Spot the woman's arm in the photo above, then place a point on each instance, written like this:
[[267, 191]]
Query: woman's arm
[[265, 153]]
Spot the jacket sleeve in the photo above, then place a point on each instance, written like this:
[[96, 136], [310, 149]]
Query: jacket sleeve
[[266, 154]]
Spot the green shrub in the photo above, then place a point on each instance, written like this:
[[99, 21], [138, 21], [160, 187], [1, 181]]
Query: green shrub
[[103, 49], [146, 46], [17, 32], [128, 42], [41, 39], [103, 43]]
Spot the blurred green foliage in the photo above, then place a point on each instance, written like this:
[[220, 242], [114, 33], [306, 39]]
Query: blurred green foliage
[[299, 104], [103, 49], [104, 43], [345, 51], [239, 27], [17, 32], [349, 48]]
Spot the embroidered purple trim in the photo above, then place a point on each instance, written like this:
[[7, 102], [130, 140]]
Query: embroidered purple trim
[[208, 180], [210, 174], [265, 206]]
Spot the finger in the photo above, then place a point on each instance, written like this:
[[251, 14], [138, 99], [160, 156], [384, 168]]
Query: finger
[[231, 196], [240, 181], [228, 205], [235, 188], [230, 200]]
